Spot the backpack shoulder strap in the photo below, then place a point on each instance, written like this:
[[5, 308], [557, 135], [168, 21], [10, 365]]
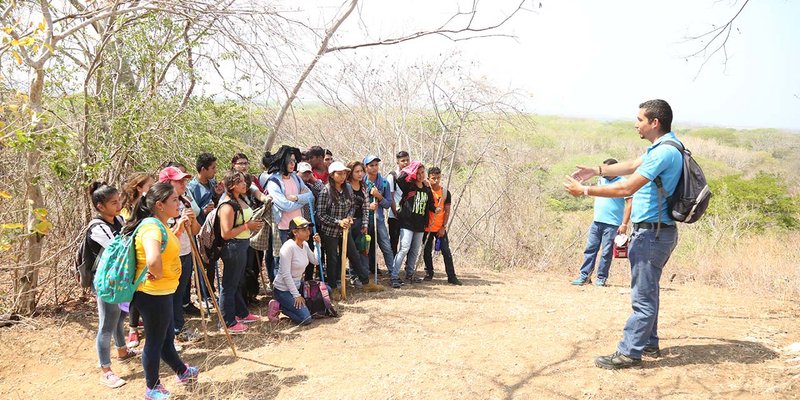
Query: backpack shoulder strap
[[237, 210], [675, 144], [94, 222], [161, 227]]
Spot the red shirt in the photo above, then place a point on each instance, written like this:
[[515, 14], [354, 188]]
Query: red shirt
[[323, 176]]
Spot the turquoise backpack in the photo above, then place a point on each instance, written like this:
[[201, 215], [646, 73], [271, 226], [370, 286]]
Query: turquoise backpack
[[115, 280]]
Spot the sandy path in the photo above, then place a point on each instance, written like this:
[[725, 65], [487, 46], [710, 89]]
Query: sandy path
[[488, 339]]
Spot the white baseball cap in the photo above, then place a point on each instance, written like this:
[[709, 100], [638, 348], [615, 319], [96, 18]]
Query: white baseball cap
[[337, 166], [303, 167]]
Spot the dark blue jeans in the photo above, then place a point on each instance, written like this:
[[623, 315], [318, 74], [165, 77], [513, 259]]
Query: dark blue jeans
[[156, 312], [444, 245], [384, 242], [178, 297], [234, 260], [601, 238], [299, 316], [647, 255]]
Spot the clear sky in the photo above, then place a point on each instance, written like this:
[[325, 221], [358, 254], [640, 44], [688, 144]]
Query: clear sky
[[600, 59]]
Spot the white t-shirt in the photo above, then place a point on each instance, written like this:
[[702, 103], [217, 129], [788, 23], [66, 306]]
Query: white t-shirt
[[293, 262]]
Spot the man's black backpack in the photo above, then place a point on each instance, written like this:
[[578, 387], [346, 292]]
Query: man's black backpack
[[692, 194]]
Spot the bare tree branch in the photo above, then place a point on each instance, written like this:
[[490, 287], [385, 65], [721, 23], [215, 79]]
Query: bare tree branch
[[715, 40], [323, 47], [442, 30]]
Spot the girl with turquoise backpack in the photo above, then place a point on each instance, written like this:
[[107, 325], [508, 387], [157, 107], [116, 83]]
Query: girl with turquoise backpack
[[159, 261]]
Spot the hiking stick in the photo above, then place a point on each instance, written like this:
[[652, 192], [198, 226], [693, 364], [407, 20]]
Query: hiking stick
[[345, 231], [196, 260], [375, 242], [196, 269], [262, 265], [317, 246]]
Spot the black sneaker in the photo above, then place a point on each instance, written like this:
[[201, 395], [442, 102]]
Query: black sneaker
[[397, 284], [651, 351], [428, 276], [413, 279], [617, 361], [454, 281], [190, 309]]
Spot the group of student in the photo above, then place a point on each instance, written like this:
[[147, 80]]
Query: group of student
[[301, 202]]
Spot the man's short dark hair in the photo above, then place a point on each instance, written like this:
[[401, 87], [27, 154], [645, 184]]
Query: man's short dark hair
[[610, 161], [401, 154], [315, 151], [204, 160], [434, 170], [328, 153], [658, 109]]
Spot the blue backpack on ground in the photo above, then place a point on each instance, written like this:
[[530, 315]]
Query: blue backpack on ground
[[115, 280]]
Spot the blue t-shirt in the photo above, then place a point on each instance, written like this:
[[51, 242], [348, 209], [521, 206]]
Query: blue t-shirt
[[609, 210], [202, 195], [667, 162]]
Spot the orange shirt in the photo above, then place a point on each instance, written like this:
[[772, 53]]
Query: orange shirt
[[436, 220]]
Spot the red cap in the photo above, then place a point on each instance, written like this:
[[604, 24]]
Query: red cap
[[172, 174]]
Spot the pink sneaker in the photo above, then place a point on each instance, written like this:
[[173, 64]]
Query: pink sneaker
[[237, 329], [250, 318], [273, 310]]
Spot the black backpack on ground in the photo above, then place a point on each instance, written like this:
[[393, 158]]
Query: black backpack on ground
[[692, 194]]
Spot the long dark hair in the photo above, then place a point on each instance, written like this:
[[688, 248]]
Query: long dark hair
[[101, 192], [146, 204]]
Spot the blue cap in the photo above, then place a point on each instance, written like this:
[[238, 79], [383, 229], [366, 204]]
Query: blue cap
[[370, 158]]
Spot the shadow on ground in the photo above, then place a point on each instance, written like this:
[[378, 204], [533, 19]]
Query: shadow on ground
[[727, 351]]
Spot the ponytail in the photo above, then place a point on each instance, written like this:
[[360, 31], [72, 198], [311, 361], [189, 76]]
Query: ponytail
[[100, 192], [146, 204]]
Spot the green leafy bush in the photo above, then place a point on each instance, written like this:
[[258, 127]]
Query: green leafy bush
[[764, 200]]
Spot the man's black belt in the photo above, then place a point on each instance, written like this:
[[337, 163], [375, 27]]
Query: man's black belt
[[652, 225]]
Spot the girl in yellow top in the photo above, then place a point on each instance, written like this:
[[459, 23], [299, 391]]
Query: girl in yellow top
[[153, 298], [235, 224]]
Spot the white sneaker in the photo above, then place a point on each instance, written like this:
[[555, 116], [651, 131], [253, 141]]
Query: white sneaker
[[356, 283], [178, 348], [111, 380]]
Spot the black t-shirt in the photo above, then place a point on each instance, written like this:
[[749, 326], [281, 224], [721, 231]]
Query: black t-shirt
[[359, 199], [415, 205]]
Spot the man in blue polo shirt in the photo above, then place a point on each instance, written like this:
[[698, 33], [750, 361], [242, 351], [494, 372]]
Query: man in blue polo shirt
[[654, 232], [611, 217]]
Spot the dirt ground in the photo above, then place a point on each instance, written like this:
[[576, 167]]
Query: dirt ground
[[500, 336]]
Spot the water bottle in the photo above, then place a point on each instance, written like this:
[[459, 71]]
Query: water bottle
[[438, 246]]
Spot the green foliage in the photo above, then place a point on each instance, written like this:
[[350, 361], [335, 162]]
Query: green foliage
[[726, 136], [764, 201]]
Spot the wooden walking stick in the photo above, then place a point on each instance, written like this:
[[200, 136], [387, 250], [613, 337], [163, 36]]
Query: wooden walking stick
[[196, 269], [197, 260], [344, 263]]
